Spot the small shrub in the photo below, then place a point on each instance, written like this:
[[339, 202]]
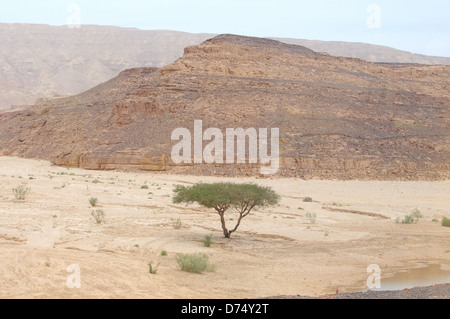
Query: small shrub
[[434, 220], [409, 219], [96, 181], [176, 224], [311, 217], [164, 253], [307, 199], [195, 263], [93, 201], [151, 269], [416, 214], [412, 218], [99, 215], [144, 187], [445, 222], [21, 192], [207, 240]]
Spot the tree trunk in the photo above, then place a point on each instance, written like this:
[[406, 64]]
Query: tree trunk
[[237, 225], [226, 233]]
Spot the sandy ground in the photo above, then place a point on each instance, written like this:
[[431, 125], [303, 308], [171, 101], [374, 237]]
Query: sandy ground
[[276, 251]]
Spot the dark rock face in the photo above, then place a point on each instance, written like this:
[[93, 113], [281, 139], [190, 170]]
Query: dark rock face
[[338, 117]]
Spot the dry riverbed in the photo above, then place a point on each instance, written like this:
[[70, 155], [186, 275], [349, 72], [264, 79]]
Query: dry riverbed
[[276, 251]]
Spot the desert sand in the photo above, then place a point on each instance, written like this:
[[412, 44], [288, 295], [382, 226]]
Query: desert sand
[[276, 251]]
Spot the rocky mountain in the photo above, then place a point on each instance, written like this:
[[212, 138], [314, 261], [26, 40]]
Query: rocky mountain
[[41, 61], [368, 52], [338, 117]]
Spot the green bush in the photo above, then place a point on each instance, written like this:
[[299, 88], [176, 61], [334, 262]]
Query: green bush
[[195, 263], [307, 199], [164, 253], [93, 201], [412, 218], [21, 192], [99, 215], [151, 269], [445, 222], [207, 240], [144, 187], [176, 224], [311, 217]]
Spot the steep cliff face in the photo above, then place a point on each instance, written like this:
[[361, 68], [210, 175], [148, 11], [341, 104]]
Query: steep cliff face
[[337, 117]]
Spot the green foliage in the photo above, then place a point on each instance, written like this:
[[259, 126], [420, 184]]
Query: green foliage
[[93, 201], [144, 187], [312, 217], [176, 224], [222, 196], [21, 192], [196, 263], [207, 240], [412, 218], [151, 269], [164, 253], [445, 222], [99, 215], [307, 199]]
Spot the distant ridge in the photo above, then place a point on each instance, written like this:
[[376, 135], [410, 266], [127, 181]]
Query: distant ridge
[[367, 52], [41, 61]]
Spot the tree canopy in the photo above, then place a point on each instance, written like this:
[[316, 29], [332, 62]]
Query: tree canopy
[[223, 196]]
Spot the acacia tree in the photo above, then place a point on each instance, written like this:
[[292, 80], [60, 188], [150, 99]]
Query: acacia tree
[[224, 196]]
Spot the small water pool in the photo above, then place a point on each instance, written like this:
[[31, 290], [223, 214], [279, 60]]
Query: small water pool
[[422, 275], [425, 275]]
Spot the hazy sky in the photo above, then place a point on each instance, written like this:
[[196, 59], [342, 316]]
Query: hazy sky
[[413, 25]]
